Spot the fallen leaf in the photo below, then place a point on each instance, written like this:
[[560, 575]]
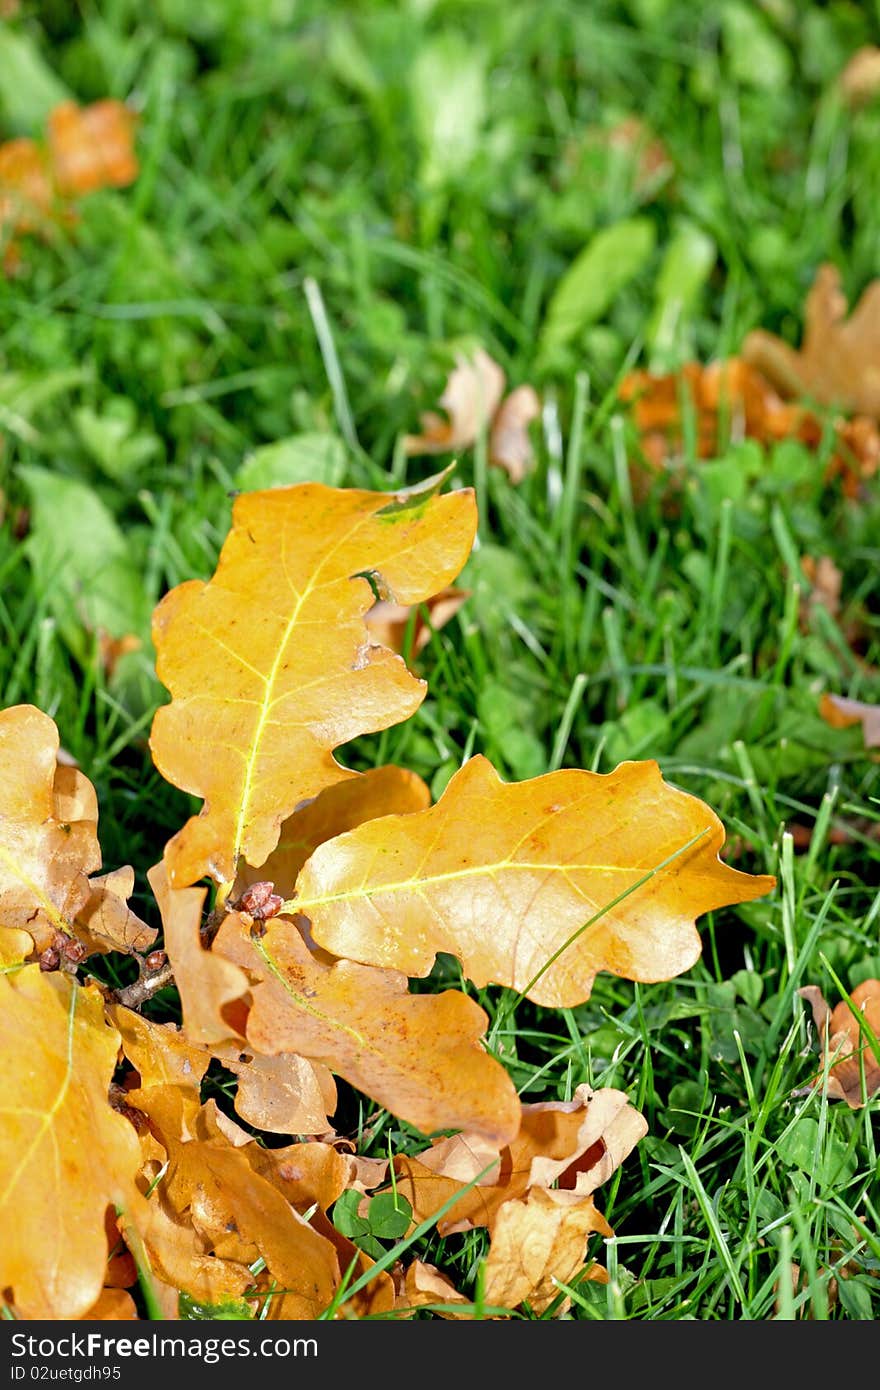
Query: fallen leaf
[[846, 1045], [420, 1056], [825, 585], [523, 882], [162, 1056], [26, 194], [65, 1155], [44, 861], [91, 147], [284, 1094], [838, 363], [113, 1305], [206, 982], [423, 1285], [729, 399], [284, 671], [472, 403], [538, 1241], [577, 1144], [841, 713], [859, 82], [388, 622]]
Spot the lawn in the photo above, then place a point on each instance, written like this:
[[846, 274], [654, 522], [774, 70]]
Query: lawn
[[335, 206]]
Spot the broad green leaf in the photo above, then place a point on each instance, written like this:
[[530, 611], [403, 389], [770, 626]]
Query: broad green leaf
[[589, 287], [303, 458], [448, 93]]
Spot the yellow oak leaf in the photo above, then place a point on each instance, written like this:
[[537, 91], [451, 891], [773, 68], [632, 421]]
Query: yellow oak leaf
[[536, 885], [65, 1154], [270, 664]]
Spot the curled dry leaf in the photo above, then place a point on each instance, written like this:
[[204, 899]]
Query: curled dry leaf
[[65, 1154], [49, 846], [538, 1241], [91, 147], [421, 1056], [838, 363], [206, 982], [283, 670], [285, 1094], [422, 1285], [26, 193], [576, 1144], [841, 713], [536, 885], [849, 1038], [162, 1056], [472, 403], [383, 791]]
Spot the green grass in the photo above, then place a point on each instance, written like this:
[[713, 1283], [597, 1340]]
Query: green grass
[[300, 256]]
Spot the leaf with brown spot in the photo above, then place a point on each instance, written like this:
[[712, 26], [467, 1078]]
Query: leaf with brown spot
[[420, 1056], [309, 1173], [284, 1094], [577, 1144], [65, 1155], [206, 983], [838, 362], [270, 665], [382, 791], [842, 713], [849, 1037], [538, 1241], [536, 885]]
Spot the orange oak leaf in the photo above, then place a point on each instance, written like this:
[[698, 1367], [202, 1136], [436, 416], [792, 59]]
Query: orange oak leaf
[[838, 362], [91, 147], [731, 399], [240, 1217], [162, 1056], [383, 791], [472, 402], [577, 1144], [536, 885], [842, 713], [65, 1155], [285, 1094], [538, 1241], [49, 846], [420, 1056], [310, 1173], [850, 1041], [113, 1305], [26, 193], [205, 981], [15, 947], [388, 622], [270, 665]]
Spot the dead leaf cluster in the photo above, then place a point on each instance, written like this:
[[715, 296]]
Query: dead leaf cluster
[[86, 148], [295, 908]]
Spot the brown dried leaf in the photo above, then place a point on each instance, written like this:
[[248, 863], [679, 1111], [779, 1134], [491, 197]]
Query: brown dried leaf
[[420, 1056], [578, 1144], [113, 1305], [506, 876], [206, 982], [26, 194], [848, 1044], [162, 1056], [536, 1242], [65, 1155], [472, 402], [838, 363], [388, 622], [282, 670], [841, 713], [105, 922], [424, 1286], [285, 1094]]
